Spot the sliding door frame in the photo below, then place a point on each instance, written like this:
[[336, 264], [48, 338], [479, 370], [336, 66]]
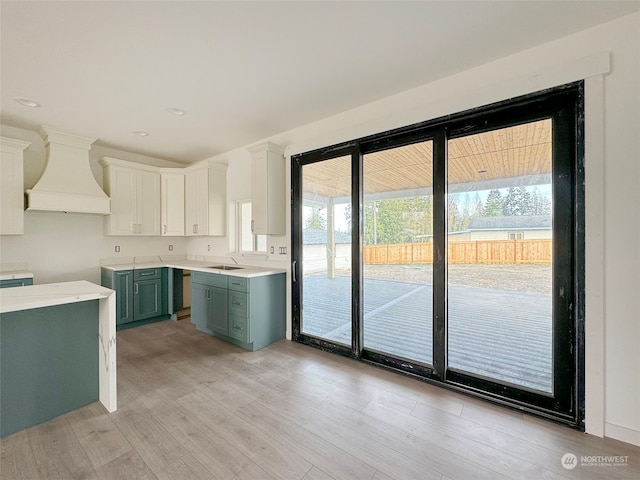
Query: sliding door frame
[[565, 106]]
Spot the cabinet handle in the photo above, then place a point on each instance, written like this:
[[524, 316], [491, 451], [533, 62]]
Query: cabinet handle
[[235, 327], [208, 294], [251, 226], [146, 274], [236, 283], [165, 229], [236, 303], [294, 264], [135, 288]]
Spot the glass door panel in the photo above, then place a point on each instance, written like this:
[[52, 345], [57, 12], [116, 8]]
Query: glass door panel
[[398, 252], [500, 324], [326, 250]]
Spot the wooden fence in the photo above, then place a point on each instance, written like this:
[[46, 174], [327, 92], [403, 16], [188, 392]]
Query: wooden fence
[[478, 251]]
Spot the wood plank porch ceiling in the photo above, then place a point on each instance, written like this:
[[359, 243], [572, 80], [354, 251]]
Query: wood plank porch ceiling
[[505, 153]]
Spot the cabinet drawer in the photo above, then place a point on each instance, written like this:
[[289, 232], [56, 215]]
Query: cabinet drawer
[[238, 328], [146, 274], [239, 284], [16, 282], [237, 303], [210, 279]]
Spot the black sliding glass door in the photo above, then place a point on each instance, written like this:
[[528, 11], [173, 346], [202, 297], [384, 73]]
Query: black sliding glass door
[[452, 250]]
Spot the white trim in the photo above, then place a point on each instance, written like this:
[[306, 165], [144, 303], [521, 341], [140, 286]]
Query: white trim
[[595, 258], [621, 433]]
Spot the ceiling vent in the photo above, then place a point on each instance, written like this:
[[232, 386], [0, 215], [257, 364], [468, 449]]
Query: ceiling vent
[[67, 183]]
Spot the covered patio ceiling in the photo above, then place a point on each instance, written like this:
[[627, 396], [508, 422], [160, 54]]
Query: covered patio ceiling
[[513, 156]]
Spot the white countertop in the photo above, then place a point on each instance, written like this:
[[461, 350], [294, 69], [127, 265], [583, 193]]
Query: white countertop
[[247, 271], [15, 275], [46, 295]]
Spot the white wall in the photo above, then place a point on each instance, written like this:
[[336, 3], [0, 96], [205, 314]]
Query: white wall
[[607, 55], [504, 234], [60, 247]]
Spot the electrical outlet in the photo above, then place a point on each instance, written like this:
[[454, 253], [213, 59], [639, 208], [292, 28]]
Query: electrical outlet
[[208, 248], [171, 248], [117, 248], [283, 250]]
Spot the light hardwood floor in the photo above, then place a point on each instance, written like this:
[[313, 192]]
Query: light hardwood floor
[[194, 407]]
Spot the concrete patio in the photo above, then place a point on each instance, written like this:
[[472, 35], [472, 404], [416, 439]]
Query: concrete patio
[[493, 333]]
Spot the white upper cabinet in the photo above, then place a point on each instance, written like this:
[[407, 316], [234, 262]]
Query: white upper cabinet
[[206, 200], [172, 202], [197, 201], [135, 198], [268, 187], [11, 186], [217, 199]]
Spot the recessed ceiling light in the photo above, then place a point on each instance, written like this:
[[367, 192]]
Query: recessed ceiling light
[[176, 111], [140, 133], [26, 102]]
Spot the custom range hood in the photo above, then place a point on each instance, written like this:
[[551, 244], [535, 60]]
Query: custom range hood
[[67, 183]]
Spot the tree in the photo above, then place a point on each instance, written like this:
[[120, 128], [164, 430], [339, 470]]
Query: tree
[[494, 204], [540, 204], [517, 202], [317, 221], [455, 218], [397, 220]]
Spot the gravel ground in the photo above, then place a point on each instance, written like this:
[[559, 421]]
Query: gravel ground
[[515, 278]]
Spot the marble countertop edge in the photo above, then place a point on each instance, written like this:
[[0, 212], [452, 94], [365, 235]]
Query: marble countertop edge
[[50, 294]]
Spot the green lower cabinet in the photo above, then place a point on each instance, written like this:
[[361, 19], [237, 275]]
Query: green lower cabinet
[[200, 306], [123, 285], [217, 319], [147, 299], [140, 294], [249, 312]]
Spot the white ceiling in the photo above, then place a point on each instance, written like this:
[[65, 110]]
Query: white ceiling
[[244, 71]]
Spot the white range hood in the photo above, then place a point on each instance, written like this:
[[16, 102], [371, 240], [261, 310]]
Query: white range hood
[[67, 183]]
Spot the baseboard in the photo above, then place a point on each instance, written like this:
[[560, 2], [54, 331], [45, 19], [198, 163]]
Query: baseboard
[[623, 434]]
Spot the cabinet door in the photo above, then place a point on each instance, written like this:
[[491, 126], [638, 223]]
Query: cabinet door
[[196, 202], [123, 285], [148, 203], [122, 189], [218, 318], [200, 306], [268, 193], [147, 299], [217, 200], [260, 192], [172, 204]]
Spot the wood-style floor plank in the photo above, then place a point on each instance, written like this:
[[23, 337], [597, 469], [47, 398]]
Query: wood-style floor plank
[[194, 407]]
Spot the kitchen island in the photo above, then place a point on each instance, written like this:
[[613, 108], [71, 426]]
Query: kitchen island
[[57, 351]]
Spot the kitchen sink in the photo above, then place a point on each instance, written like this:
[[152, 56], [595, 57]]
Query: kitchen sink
[[224, 267]]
